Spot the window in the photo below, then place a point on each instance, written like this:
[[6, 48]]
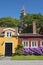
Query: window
[[34, 44], [9, 34], [26, 44], [41, 43]]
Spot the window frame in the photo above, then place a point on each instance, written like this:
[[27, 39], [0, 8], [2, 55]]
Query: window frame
[[9, 35], [25, 43], [41, 43], [36, 44]]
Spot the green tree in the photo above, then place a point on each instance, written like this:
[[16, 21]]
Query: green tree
[[28, 19], [8, 22]]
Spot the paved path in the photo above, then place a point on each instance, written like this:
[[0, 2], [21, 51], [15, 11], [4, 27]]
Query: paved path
[[7, 61], [6, 58], [22, 62]]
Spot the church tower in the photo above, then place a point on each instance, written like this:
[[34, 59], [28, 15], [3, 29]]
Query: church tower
[[23, 12]]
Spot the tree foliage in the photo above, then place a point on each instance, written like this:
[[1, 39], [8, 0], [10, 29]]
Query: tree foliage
[[8, 22], [27, 20]]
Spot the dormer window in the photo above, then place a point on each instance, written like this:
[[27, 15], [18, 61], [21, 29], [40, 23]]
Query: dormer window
[[9, 34]]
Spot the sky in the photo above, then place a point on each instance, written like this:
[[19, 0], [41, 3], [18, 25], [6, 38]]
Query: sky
[[13, 7]]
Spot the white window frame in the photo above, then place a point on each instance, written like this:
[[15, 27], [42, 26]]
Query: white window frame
[[41, 43], [36, 44], [9, 34], [25, 42]]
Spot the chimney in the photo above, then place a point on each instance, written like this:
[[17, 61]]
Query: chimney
[[34, 27]]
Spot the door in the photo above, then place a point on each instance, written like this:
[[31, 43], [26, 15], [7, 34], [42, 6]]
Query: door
[[8, 49]]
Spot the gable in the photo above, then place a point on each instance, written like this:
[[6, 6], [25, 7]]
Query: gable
[[4, 30], [10, 29]]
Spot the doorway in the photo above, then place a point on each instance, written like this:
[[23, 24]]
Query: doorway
[[8, 49]]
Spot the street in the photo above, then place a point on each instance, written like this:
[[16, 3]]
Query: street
[[21, 62]]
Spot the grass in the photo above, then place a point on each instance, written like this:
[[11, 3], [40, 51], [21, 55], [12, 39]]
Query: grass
[[28, 57]]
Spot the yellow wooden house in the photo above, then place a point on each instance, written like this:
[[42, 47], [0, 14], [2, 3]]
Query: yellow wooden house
[[8, 40]]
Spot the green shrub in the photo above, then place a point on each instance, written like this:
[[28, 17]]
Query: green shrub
[[19, 49]]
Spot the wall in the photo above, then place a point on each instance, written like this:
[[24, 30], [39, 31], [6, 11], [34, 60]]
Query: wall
[[3, 40], [20, 39]]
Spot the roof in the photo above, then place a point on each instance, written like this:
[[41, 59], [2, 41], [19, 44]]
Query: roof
[[30, 35], [6, 28], [25, 35], [3, 29]]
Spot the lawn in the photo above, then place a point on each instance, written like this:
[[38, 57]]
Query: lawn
[[28, 57]]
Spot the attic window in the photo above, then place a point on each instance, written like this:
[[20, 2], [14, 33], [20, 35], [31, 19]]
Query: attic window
[[9, 34]]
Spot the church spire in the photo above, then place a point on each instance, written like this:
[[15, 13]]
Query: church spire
[[23, 12]]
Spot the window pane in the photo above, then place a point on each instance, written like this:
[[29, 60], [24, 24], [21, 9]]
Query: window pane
[[42, 43], [7, 34], [10, 34], [32, 43], [26, 43]]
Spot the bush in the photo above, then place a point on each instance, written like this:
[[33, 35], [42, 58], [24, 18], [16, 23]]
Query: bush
[[19, 49]]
